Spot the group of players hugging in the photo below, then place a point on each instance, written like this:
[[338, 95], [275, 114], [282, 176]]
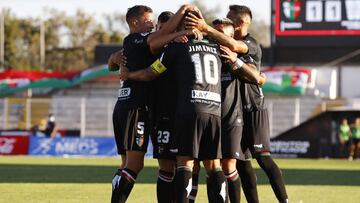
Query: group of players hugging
[[195, 89]]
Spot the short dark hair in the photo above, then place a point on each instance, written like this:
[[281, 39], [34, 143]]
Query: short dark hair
[[241, 10], [165, 16], [223, 21], [137, 11]]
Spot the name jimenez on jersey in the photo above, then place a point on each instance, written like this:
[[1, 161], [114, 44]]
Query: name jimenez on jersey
[[211, 74]]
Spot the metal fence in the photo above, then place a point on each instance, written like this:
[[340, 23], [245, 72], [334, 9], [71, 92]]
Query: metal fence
[[93, 116]]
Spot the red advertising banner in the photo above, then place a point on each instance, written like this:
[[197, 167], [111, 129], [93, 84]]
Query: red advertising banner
[[14, 145], [35, 75]]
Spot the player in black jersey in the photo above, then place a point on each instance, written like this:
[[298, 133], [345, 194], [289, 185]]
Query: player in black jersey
[[197, 68], [256, 135], [131, 113], [163, 115], [231, 115], [241, 47]]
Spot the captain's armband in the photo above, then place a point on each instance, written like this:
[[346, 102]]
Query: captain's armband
[[158, 67]]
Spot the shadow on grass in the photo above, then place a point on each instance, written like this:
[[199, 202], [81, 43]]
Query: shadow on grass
[[23, 173]]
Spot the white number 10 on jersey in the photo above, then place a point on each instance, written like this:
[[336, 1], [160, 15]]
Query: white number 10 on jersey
[[209, 66]]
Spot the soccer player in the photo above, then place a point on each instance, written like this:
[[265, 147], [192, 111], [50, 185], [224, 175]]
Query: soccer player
[[256, 135], [131, 113], [233, 73], [163, 114], [345, 136], [355, 140], [197, 68], [241, 47]]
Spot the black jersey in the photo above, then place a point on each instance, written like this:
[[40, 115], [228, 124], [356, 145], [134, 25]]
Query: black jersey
[[164, 95], [231, 107], [197, 68], [251, 94], [136, 94]]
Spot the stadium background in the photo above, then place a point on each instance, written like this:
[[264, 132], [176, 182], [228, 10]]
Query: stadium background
[[311, 56]]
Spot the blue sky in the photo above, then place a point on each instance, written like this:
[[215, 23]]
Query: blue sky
[[34, 8]]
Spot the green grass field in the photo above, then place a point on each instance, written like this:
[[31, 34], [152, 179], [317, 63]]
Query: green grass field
[[68, 180]]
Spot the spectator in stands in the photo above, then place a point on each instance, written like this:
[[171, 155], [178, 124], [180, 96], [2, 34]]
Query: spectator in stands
[[345, 135], [46, 127], [355, 140], [50, 130]]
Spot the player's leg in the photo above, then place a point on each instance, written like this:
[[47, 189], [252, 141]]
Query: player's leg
[[275, 177], [117, 175], [357, 149], [233, 180], [351, 151], [183, 178], [119, 139], [135, 131], [216, 181], [261, 150], [231, 151], [134, 164], [162, 140], [210, 152], [165, 188], [248, 180], [195, 181], [244, 167]]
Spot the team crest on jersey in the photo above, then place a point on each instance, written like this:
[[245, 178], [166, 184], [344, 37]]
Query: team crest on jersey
[[140, 141]]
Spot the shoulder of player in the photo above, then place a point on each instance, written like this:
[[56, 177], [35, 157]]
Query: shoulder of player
[[136, 38], [175, 46], [250, 40]]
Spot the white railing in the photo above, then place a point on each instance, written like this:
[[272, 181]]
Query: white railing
[[93, 116]]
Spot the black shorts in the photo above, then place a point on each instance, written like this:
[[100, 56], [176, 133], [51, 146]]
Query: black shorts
[[230, 142], [131, 129], [198, 136], [256, 133], [162, 138]]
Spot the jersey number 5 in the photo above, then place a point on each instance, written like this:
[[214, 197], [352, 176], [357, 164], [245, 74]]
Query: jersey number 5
[[209, 65], [140, 128]]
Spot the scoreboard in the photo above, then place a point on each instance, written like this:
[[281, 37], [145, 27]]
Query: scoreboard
[[317, 22]]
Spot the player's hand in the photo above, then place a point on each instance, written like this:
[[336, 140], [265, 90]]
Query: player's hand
[[181, 39], [228, 54], [123, 73], [118, 58], [192, 21]]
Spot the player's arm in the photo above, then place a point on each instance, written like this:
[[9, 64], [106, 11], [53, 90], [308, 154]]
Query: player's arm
[[159, 38], [146, 74], [245, 71], [157, 43], [193, 21], [116, 59]]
